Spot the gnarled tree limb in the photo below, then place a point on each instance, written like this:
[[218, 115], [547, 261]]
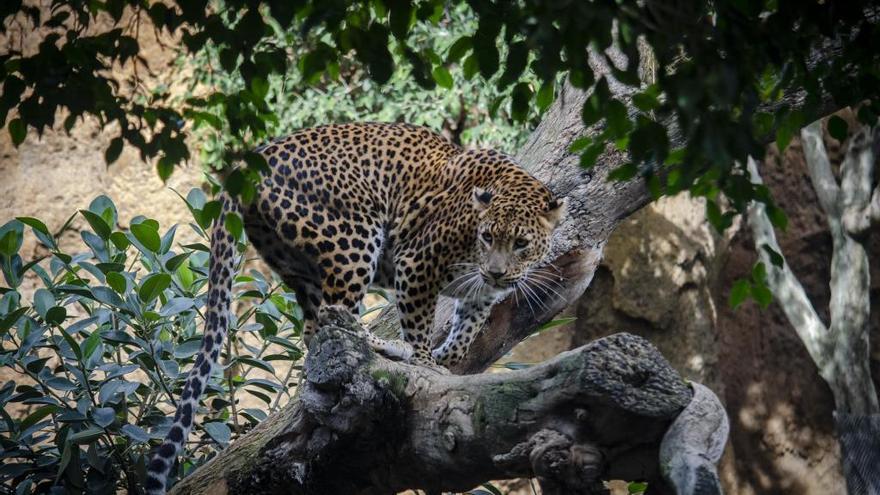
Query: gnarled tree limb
[[366, 425]]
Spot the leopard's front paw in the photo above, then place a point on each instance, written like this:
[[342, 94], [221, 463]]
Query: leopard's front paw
[[444, 357], [425, 360]]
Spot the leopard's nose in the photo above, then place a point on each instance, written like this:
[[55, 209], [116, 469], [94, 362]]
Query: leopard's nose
[[496, 275]]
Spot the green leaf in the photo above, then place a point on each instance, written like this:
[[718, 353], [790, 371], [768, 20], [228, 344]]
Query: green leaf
[[739, 292], [119, 240], [775, 258], [442, 76], [762, 295], [759, 273], [398, 21], [113, 150], [176, 305], [470, 67], [102, 205], [555, 323], [40, 230], [91, 344], [256, 161], [617, 119], [234, 225], [777, 217], [187, 348], [153, 285], [86, 436], [458, 49], [580, 144], [174, 262], [789, 124], [234, 182], [10, 319], [636, 488], [11, 237], [135, 433], [517, 58], [645, 102], [838, 128], [186, 276], [72, 343], [624, 172], [18, 131], [43, 300], [164, 168], [763, 122], [545, 96], [591, 154], [56, 315], [257, 363], [36, 416], [717, 219], [218, 431], [594, 106], [147, 235], [491, 488], [259, 88], [97, 223], [117, 282], [519, 101], [104, 416], [210, 212]]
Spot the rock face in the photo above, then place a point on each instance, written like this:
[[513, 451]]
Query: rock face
[[657, 279]]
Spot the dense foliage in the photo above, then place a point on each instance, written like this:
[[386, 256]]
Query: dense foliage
[[719, 71], [102, 349], [473, 114]]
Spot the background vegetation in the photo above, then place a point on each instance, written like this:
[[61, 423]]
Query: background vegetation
[[105, 345], [112, 325]]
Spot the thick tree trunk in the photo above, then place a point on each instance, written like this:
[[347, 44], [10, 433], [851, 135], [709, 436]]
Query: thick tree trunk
[[366, 425]]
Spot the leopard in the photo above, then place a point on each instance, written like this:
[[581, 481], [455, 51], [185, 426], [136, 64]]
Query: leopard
[[342, 207]]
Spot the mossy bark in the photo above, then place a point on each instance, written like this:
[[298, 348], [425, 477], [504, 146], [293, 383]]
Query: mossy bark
[[364, 424]]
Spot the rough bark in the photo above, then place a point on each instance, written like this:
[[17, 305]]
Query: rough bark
[[366, 425], [841, 348]]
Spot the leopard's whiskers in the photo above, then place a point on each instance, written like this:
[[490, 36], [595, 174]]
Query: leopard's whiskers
[[543, 285]]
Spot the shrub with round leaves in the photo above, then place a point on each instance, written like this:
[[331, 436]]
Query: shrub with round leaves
[[96, 355]]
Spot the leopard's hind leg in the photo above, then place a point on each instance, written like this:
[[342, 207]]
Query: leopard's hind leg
[[297, 269], [321, 271]]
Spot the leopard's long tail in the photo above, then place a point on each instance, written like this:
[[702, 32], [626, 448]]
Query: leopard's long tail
[[221, 272]]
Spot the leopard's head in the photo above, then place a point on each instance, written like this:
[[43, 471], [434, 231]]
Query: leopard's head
[[513, 235]]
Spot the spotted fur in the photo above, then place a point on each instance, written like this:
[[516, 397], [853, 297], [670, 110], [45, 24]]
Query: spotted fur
[[343, 207]]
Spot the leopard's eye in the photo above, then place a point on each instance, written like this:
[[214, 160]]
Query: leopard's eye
[[487, 237], [520, 243]]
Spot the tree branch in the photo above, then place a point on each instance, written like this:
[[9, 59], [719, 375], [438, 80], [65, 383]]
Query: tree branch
[[366, 425], [787, 289], [816, 157], [840, 350]]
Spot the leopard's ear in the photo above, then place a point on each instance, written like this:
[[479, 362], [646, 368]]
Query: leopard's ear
[[481, 198], [555, 211]]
